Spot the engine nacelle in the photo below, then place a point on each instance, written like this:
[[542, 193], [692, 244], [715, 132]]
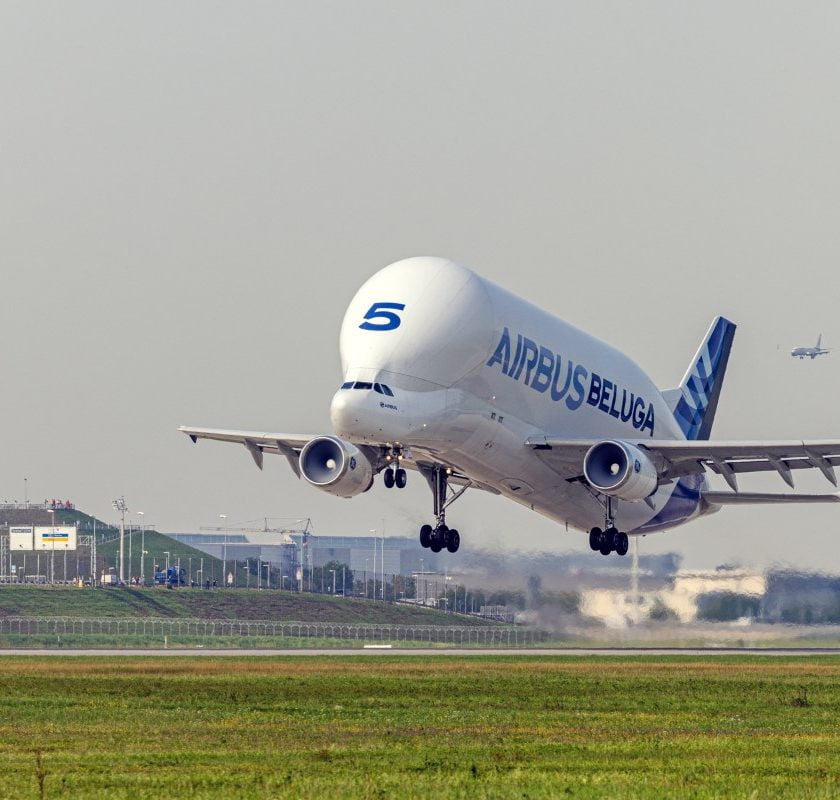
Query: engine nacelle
[[621, 470], [336, 466]]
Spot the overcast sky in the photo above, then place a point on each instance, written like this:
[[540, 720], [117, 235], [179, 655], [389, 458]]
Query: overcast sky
[[190, 194]]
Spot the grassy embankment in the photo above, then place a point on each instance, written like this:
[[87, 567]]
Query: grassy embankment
[[406, 727], [156, 546], [245, 604]]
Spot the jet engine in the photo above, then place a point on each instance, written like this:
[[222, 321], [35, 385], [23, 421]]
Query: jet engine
[[336, 466], [621, 470]]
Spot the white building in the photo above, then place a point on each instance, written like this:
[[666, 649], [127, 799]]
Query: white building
[[618, 608]]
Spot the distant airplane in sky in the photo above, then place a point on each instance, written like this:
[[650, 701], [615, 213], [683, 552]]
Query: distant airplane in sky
[[810, 352], [450, 375]]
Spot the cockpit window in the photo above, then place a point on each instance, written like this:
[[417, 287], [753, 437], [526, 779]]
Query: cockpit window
[[380, 388]]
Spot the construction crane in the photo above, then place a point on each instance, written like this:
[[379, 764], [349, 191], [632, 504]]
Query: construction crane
[[284, 527]]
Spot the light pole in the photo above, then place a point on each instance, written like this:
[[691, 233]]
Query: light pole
[[283, 581], [373, 531], [119, 505], [52, 543], [166, 553], [333, 574], [224, 553], [142, 550], [382, 559]]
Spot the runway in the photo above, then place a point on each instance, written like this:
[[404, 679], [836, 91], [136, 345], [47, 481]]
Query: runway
[[427, 652]]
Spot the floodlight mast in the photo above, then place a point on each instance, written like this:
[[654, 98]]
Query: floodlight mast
[[119, 505]]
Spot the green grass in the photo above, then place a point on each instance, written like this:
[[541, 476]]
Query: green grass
[[483, 727], [52, 601]]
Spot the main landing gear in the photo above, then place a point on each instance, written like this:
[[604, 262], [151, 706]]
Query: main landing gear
[[394, 474], [610, 539], [440, 535]]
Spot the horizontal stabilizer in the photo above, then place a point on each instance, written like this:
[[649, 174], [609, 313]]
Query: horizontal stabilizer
[[752, 498]]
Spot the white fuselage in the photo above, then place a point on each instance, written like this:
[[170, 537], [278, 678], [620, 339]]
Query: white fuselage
[[476, 371], [808, 352]]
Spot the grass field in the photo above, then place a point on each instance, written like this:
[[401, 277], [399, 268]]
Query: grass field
[[484, 727]]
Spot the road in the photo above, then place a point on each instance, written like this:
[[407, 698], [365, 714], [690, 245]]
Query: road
[[426, 652]]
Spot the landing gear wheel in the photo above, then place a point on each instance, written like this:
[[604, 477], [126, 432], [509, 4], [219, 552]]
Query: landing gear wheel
[[440, 538], [607, 541], [595, 538], [400, 478], [388, 478], [454, 541], [621, 543], [426, 535]]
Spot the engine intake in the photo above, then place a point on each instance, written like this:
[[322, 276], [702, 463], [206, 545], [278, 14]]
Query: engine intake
[[621, 470], [336, 466]]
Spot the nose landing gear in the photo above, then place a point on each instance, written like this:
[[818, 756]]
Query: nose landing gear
[[440, 536], [394, 474]]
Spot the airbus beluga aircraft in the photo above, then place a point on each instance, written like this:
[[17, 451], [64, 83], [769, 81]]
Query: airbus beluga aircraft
[[452, 376]]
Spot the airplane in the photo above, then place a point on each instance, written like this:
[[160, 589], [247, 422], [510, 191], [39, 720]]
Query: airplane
[[810, 352], [448, 374]]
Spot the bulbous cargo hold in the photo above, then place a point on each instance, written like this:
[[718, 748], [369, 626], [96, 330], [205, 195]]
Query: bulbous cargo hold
[[620, 469], [336, 466]]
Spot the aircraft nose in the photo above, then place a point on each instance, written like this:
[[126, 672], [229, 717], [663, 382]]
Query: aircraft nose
[[361, 414], [353, 413], [342, 413]]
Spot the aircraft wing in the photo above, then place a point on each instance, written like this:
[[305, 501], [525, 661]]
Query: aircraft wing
[[674, 458], [286, 444], [290, 445]]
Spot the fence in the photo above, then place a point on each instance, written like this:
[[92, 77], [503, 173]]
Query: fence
[[149, 626]]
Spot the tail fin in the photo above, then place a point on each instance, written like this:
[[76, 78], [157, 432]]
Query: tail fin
[[694, 403], [819, 341]]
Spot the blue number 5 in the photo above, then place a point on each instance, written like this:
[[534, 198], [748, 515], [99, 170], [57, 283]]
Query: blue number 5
[[388, 320]]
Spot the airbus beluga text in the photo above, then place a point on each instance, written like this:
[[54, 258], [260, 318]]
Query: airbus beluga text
[[450, 375]]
